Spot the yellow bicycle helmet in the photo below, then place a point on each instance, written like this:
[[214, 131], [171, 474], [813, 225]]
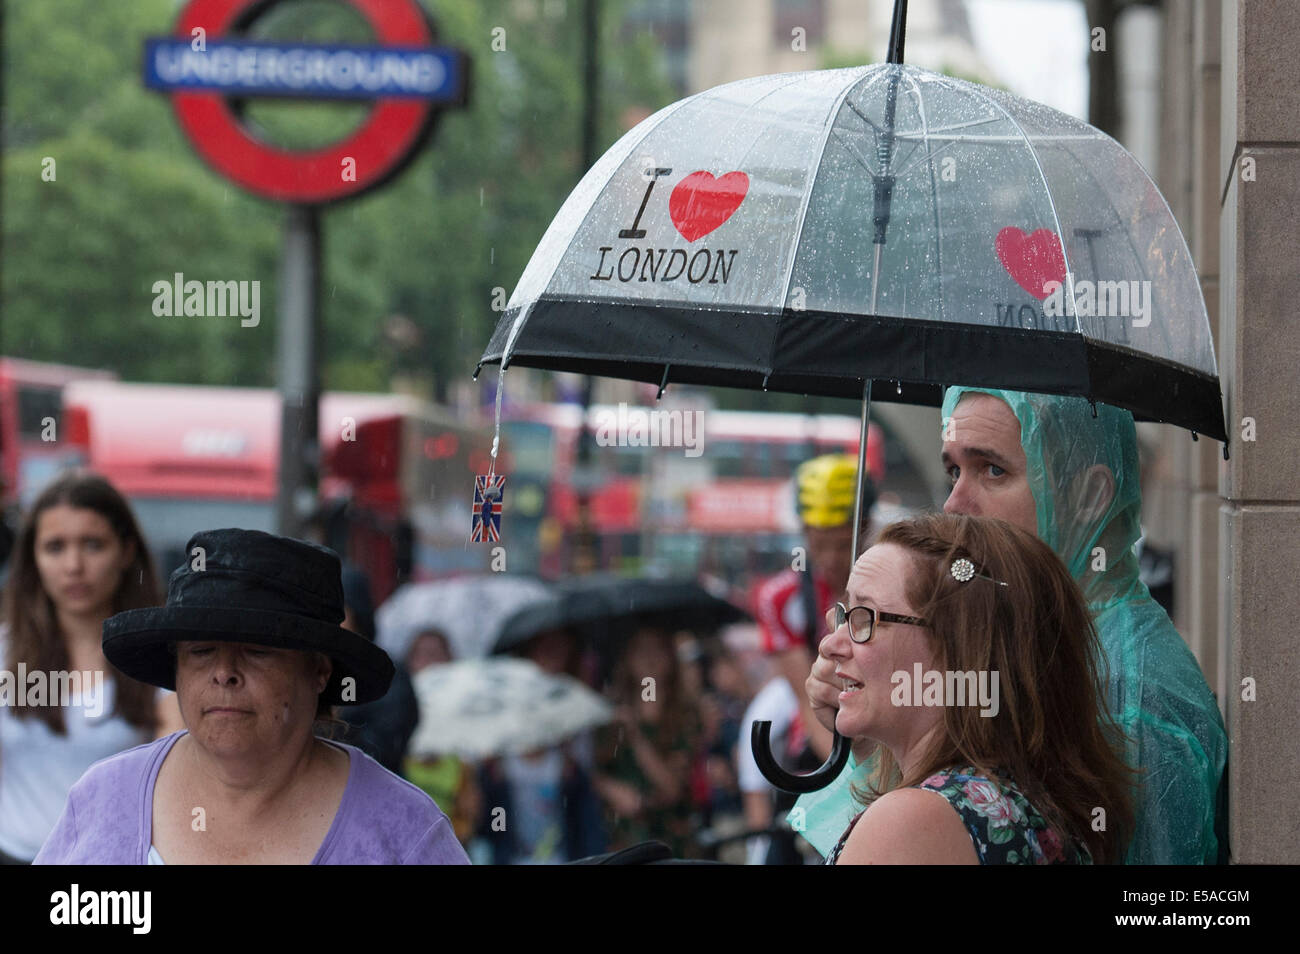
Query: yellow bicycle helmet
[[825, 486]]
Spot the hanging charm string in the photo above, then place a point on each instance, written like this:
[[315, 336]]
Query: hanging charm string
[[496, 430]]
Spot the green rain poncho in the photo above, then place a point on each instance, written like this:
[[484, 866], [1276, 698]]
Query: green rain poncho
[[1156, 689]]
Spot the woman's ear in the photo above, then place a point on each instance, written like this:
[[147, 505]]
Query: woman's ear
[[128, 554], [324, 669], [1095, 491]]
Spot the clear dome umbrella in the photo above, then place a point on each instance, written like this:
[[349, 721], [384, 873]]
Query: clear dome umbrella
[[782, 233], [875, 232]]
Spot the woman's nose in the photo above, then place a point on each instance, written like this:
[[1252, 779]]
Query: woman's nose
[[225, 669], [835, 644]]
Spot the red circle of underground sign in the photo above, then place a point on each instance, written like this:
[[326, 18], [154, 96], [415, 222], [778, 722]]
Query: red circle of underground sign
[[390, 133]]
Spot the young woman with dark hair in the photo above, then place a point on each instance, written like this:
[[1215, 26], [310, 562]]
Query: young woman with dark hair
[[79, 558]]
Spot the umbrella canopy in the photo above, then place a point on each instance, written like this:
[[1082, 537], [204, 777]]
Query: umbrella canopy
[[479, 708], [599, 606], [469, 610], [728, 240]]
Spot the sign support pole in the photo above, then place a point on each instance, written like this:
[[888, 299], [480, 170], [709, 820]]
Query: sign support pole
[[297, 372]]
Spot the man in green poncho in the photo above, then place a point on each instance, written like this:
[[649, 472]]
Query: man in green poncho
[[1050, 465]]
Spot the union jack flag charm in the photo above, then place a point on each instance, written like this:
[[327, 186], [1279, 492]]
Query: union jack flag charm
[[489, 494]]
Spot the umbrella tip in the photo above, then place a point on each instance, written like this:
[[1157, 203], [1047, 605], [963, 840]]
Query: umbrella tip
[[477, 368]]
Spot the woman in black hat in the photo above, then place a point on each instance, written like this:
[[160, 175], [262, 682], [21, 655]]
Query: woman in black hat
[[250, 640]]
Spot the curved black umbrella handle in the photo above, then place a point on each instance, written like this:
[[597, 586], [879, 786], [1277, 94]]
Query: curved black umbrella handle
[[760, 738]]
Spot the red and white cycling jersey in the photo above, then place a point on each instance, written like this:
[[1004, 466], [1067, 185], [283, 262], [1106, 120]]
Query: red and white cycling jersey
[[779, 609]]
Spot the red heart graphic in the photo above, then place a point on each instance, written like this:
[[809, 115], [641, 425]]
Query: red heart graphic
[[700, 203], [1032, 260]]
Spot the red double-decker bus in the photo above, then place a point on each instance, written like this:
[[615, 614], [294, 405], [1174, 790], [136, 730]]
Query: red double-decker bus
[[727, 511], [34, 442], [191, 458]]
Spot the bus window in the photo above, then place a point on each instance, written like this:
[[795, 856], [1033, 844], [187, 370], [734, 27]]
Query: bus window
[[35, 405], [530, 446], [625, 461], [790, 454], [728, 459], [167, 523]]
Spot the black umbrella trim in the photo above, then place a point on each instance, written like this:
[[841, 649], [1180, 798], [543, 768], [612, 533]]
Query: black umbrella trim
[[811, 352]]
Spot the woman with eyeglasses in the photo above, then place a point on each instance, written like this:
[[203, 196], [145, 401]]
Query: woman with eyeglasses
[[1000, 754]]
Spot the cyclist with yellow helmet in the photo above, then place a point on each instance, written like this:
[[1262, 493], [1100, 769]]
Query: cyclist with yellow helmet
[[790, 608]]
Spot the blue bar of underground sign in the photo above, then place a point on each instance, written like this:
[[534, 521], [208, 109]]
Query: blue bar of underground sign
[[305, 70]]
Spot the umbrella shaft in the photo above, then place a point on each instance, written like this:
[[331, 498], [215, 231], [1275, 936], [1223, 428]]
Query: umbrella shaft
[[875, 277], [862, 460]]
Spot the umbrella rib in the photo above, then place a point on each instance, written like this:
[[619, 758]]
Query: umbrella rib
[[931, 155], [844, 138], [943, 131], [1003, 138], [785, 285], [526, 310], [923, 139], [1128, 236], [1062, 137], [861, 115], [934, 192], [950, 127], [852, 150], [1065, 255], [874, 128], [807, 199]]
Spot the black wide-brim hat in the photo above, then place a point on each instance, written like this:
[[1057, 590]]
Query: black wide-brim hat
[[246, 586]]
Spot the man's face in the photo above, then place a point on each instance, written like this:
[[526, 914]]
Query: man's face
[[986, 464], [830, 551]]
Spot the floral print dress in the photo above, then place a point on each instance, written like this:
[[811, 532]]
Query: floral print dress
[[1004, 826]]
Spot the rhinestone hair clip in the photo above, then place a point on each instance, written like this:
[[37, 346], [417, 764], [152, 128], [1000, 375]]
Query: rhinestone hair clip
[[963, 570]]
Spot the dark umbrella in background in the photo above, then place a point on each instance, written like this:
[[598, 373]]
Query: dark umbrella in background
[[723, 242], [600, 608]]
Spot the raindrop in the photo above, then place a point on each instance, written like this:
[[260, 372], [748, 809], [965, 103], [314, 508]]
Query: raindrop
[[899, 388]]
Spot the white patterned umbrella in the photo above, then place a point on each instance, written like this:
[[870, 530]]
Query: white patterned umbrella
[[469, 609], [481, 708]]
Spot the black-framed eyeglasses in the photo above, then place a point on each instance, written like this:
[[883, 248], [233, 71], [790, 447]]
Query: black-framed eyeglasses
[[862, 620]]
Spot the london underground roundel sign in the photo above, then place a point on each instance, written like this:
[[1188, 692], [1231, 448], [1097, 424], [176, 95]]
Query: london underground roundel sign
[[207, 67]]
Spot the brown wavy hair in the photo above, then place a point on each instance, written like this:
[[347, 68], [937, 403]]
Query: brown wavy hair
[[1053, 734], [34, 634]]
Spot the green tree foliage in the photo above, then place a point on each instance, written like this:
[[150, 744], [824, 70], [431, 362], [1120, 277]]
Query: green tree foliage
[[132, 203]]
